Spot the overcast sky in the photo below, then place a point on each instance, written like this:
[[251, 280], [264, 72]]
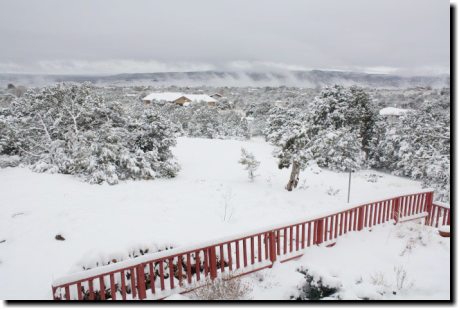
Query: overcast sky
[[112, 36]]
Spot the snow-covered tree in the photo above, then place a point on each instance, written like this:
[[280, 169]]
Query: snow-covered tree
[[288, 130], [332, 109], [338, 149], [234, 125], [204, 123], [342, 122], [363, 114], [154, 136], [416, 145], [69, 129], [250, 163], [7, 134]]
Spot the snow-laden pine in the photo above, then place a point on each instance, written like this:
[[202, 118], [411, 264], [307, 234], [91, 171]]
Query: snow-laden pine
[[417, 145], [67, 128], [249, 162], [335, 131]]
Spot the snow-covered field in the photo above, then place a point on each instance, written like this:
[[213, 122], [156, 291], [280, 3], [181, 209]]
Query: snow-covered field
[[211, 197]]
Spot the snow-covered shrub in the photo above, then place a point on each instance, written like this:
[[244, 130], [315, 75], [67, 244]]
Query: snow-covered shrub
[[332, 191], [414, 235], [401, 279], [9, 161], [224, 288], [313, 288], [378, 279], [250, 163], [106, 259], [226, 212], [384, 286], [303, 184], [68, 129], [372, 178]]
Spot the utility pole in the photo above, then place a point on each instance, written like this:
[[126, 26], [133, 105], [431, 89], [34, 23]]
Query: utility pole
[[349, 185]]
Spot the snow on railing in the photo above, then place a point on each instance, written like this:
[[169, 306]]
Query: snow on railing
[[439, 215], [442, 204], [149, 276]]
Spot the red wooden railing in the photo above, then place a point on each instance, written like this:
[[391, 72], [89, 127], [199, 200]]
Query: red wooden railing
[[438, 215], [158, 275]]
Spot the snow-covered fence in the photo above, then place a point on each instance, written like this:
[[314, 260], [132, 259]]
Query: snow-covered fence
[[158, 275], [438, 215]]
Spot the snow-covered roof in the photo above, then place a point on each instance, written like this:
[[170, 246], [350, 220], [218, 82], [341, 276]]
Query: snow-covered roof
[[174, 96], [198, 98], [393, 111], [162, 96]]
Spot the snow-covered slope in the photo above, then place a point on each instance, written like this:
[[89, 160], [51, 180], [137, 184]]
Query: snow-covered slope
[[211, 197]]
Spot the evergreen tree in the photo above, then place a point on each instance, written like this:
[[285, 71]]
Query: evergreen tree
[[363, 113], [248, 160], [288, 131], [205, 122], [338, 149], [342, 122], [416, 145], [7, 134], [69, 129]]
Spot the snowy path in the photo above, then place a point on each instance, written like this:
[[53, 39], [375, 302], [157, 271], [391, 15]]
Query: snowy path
[[102, 222]]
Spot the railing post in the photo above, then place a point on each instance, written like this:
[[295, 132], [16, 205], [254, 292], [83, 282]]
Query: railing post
[[54, 293], [272, 246], [428, 207], [212, 262], [141, 281], [319, 231], [396, 209], [360, 218]]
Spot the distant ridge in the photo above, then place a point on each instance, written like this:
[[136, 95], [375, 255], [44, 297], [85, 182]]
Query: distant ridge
[[307, 79]]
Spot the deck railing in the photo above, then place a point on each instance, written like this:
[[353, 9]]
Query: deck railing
[[438, 215], [158, 275]]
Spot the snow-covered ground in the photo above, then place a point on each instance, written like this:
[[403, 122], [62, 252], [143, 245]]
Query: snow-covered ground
[[406, 261], [211, 197]]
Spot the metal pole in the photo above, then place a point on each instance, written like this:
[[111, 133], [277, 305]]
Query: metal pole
[[349, 185]]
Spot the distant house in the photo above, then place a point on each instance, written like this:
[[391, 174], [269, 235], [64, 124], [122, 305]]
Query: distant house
[[393, 111], [392, 114], [157, 97], [179, 98]]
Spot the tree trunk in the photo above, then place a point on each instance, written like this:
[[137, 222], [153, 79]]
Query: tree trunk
[[294, 178]]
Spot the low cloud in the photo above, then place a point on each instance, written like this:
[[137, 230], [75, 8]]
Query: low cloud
[[102, 67], [117, 66]]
